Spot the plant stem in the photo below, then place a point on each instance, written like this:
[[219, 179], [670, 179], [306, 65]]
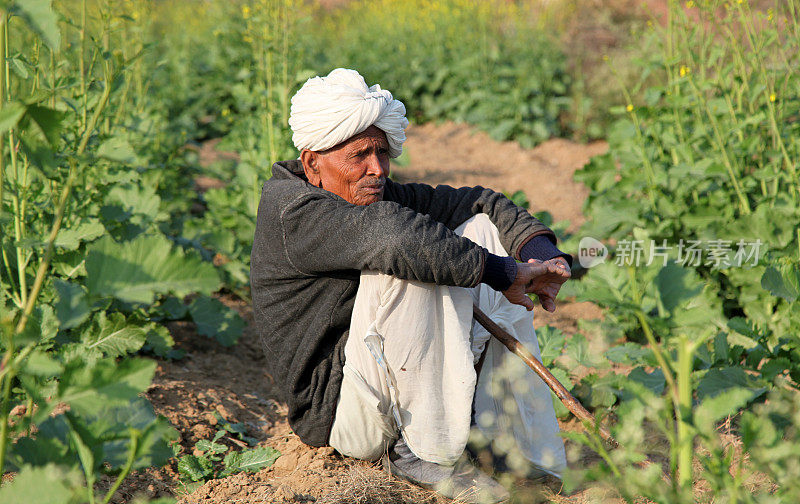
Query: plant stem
[[3, 21], [648, 334], [126, 469], [4, 408], [48, 255], [15, 200], [62, 203], [53, 78], [82, 62], [685, 439], [744, 205]]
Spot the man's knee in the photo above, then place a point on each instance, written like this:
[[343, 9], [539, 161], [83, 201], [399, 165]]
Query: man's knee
[[481, 230]]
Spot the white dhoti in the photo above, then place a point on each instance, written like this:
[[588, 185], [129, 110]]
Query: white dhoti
[[409, 367]]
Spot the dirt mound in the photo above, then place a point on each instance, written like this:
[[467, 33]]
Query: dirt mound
[[458, 155]]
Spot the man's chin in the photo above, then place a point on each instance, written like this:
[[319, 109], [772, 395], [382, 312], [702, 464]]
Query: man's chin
[[370, 198]]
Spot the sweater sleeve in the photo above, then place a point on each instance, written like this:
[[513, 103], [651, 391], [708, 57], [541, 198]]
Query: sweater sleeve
[[543, 248], [452, 207], [323, 234]]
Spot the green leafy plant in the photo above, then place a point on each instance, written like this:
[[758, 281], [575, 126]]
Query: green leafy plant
[[457, 60], [91, 194], [207, 460], [708, 157]]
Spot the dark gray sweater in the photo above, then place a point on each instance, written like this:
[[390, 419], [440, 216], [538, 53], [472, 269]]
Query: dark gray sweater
[[309, 249]]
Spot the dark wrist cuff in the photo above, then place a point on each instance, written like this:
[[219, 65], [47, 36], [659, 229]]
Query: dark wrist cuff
[[542, 248], [499, 272]]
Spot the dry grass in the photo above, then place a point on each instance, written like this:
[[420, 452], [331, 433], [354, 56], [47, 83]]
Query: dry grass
[[365, 484]]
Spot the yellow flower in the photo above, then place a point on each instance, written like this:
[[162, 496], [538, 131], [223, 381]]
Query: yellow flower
[[245, 11], [772, 97], [770, 14], [248, 39], [739, 1], [629, 108], [684, 70], [649, 23], [689, 4], [225, 112], [605, 57]]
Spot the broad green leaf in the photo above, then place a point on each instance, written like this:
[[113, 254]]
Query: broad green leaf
[[19, 67], [195, 468], [154, 447], [783, 281], [551, 343], [135, 199], [42, 19], [113, 335], [88, 447], [745, 334], [42, 325], [50, 484], [216, 320], [172, 309], [206, 445], [596, 392], [40, 155], [676, 286], [10, 115], [89, 390], [40, 363], [71, 238], [40, 450], [159, 340], [578, 349], [630, 353], [727, 402], [48, 122], [654, 381], [138, 270], [72, 308], [117, 149], [715, 381], [154, 434], [252, 460]]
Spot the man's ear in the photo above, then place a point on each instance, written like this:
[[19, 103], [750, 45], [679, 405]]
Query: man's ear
[[310, 160]]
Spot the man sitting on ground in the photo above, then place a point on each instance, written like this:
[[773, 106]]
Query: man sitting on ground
[[363, 291]]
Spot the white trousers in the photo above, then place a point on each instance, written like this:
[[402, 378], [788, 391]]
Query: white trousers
[[409, 367]]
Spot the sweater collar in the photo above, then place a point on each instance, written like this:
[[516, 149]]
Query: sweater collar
[[291, 169]]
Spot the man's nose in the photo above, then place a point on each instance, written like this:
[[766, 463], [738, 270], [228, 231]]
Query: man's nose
[[374, 167]]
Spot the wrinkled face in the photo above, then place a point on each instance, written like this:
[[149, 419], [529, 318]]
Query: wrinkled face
[[355, 170]]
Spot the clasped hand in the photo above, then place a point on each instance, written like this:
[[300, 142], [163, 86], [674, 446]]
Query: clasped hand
[[543, 278]]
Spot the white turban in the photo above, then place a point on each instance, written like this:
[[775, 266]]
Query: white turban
[[328, 110]]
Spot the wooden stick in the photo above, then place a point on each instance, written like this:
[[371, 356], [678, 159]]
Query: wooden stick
[[558, 389]]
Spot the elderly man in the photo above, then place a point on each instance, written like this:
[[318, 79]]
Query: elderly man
[[363, 291]]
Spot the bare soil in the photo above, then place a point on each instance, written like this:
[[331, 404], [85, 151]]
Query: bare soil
[[232, 383]]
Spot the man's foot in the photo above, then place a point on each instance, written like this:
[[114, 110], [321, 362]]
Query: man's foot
[[462, 481]]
